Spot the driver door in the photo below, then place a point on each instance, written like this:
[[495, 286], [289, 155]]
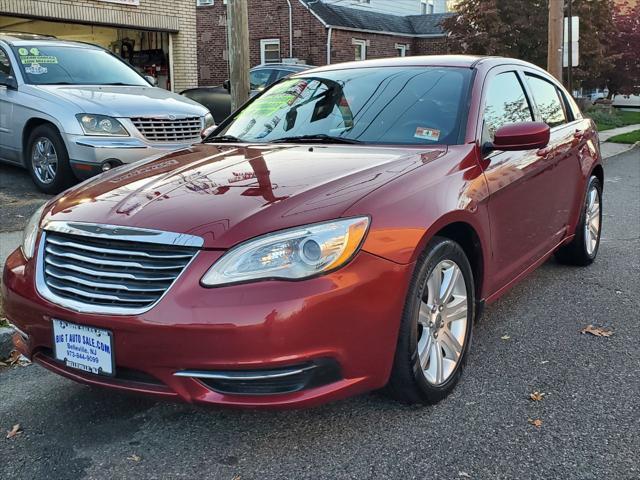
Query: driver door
[[520, 206]]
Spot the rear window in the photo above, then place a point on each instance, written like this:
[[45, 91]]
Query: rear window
[[392, 105], [547, 98]]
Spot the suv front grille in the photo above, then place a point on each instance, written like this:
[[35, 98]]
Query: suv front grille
[[167, 130], [101, 272]]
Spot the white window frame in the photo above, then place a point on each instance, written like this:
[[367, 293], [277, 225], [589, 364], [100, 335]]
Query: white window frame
[[427, 7], [363, 45], [269, 41], [402, 49]]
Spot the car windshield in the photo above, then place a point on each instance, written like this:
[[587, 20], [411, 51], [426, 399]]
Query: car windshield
[[70, 65], [392, 105]]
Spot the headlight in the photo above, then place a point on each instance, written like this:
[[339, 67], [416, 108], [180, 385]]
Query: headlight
[[208, 121], [290, 254], [31, 233], [101, 125]]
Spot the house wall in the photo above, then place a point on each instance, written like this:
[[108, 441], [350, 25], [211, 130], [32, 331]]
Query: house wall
[[175, 16], [270, 19]]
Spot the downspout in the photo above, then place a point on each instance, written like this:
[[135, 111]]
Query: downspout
[[290, 29], [329, 32]]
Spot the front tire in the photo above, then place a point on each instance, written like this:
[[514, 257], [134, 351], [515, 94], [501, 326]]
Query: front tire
[[436, 326], [48, 161], [583, 249]]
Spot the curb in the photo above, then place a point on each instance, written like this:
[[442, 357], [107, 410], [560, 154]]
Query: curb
[[635, 146]]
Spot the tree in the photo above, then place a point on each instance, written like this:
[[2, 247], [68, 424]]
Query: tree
[[518, 29], [624, 77]]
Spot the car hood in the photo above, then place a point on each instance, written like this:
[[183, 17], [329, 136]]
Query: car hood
[[226, 194], [123, 101]]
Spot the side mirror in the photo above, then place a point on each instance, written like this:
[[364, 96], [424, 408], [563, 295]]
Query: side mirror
[[522, 136], [227, 85], [151, 80], [8, 81]]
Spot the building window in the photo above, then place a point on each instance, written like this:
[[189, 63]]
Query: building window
[[204, 3], [270, 51], [402, 48], [360, 49], [426, 7]]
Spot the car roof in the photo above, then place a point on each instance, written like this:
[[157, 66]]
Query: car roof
[[20, 39], [461, 61], [284, 66]]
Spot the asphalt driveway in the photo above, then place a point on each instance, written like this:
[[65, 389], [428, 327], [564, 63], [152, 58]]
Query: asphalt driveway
[[528, 341]]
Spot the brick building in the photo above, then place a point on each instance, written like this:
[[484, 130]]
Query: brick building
[[156, 36], [313, 32]]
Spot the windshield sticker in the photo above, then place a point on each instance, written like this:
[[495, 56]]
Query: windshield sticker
[[23, 52], [34, 51], [31, 59], [35, 69], [427, 134]]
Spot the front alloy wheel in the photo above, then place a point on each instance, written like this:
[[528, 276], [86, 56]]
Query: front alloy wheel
[[47, 159], [44, 160], [436, 325], [442, 322]]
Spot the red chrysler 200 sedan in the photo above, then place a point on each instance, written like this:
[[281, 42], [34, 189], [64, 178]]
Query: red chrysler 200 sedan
[[337, 234]]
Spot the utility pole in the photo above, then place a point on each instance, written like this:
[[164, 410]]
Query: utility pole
[[238, 35], [556, 26], [570, 48]]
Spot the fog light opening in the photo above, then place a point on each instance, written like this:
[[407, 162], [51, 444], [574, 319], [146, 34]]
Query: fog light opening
[[110, 164]]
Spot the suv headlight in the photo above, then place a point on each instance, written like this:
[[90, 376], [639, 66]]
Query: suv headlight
[[101, 125], [291, 254], [31, 233]]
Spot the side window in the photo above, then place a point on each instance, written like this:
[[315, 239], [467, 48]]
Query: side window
[[5, 64], [545, 94], [259, 79], [505, 103]]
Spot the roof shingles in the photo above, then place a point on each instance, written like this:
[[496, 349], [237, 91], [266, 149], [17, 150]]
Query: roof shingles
[[352, 18]]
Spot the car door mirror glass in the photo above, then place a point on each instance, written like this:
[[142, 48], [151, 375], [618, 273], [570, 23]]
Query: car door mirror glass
[[227, 85]]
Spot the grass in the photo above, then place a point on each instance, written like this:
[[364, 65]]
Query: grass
[[618, 118], [631, 137]]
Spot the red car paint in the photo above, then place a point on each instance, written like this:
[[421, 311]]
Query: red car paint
[[517, 206]]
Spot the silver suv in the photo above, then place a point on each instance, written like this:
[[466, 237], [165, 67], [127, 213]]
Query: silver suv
[[70, 110]]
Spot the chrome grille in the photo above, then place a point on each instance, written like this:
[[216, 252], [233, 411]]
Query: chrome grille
[[106, 273], [166, 130]]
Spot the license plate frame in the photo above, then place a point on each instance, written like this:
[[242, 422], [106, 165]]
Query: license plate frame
[[88, 344]]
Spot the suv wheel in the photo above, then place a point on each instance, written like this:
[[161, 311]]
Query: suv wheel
[[47, 160]]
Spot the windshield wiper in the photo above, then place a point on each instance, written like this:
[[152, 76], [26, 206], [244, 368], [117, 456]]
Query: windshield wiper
[[224, 138], [317, 138]]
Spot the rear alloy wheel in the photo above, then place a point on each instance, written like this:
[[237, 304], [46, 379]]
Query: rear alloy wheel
[[435, 331], [47, 160], [584, 247]]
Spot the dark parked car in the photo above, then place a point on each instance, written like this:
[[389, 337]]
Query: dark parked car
[[218, 99], [339, 234]]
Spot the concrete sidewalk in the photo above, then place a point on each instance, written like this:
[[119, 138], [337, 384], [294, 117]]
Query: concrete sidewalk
[[607, 134]]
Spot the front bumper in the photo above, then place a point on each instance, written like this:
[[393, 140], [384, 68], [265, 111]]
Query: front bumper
[[349, 318], [87, 154]]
